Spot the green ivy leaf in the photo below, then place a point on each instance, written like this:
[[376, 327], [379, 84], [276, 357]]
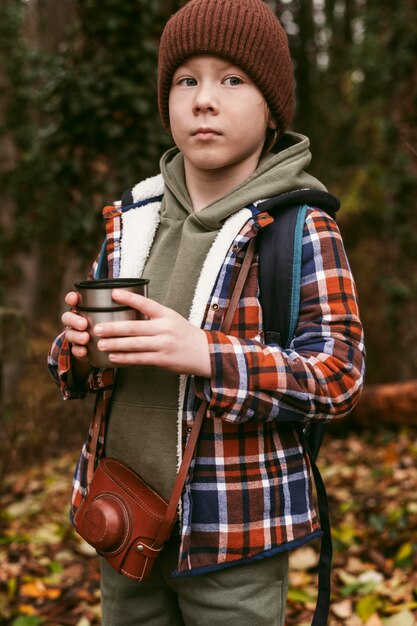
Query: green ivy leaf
[[367, 606], [298, 595], [28, 620], [55, 568], [404, 556]]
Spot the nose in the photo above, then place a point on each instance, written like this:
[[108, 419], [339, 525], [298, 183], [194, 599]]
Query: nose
[[205, 100]]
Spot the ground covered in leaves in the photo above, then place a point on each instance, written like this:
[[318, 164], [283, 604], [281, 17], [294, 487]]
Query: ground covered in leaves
[[49, 577]]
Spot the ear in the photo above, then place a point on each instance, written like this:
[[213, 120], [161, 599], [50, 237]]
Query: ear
[[271, 122]]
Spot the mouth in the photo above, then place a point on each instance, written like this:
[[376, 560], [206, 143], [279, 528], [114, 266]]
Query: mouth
[[205, 134]]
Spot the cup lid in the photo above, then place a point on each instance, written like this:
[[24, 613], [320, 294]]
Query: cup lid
[[110, 283]]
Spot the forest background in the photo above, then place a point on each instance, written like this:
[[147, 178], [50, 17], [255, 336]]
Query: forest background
[[79, 124]]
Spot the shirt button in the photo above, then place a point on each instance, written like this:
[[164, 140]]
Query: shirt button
[[235, 248], [189, 429], [214, 307]]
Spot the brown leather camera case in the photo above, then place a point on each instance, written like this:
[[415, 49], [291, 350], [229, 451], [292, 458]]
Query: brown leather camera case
[[121, 517]]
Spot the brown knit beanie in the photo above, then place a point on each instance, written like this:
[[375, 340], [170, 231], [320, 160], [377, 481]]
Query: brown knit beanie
[[244, 32]]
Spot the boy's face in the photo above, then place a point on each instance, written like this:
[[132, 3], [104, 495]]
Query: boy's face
[[218, 117]]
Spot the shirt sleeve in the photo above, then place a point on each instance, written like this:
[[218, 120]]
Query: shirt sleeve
[[59, 364], [320, 375]]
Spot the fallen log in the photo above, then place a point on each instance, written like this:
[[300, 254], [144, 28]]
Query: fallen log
[[393, 404]]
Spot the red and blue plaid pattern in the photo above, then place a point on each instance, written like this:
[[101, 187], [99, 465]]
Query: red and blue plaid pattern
[[248, 493]]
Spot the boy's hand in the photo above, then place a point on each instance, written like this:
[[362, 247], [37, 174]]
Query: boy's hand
[[75, 328], [165, 339]]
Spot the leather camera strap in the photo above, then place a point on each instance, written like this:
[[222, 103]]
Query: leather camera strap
[[94, 433], [170, 515]]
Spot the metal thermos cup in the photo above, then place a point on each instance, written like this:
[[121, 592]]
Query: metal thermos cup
[[95, 303]]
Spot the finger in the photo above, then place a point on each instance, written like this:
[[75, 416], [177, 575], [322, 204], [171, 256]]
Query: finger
[[77, 338], [129, 344], [79, 351], [134, 358], [147, 306], [132, 328], [72, 298], [74, 320]]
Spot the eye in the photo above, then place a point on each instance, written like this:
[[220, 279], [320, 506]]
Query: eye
[[187, 81], [233, 81]]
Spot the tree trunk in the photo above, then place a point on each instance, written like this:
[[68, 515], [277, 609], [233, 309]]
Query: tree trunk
[[304, 56], [47, 22], [389, 405]]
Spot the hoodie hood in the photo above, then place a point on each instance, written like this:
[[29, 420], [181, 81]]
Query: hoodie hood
[[276, 173]]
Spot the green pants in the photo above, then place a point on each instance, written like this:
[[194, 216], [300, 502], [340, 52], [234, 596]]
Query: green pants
[[252, 594]]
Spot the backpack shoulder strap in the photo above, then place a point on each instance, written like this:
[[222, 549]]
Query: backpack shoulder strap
[[102, 265], [279, 274], [280, 251]]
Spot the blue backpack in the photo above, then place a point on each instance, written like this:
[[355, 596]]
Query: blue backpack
[[280, 251]]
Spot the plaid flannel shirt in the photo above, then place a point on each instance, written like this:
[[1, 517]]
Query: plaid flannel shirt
[[248, 493]]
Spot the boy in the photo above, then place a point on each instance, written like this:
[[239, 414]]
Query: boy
[[226, 93]]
